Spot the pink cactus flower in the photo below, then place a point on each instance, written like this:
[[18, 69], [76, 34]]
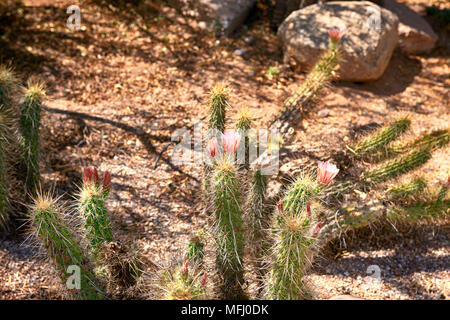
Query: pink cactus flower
[[326, 172], [211, 147], [308, 209], [107, 180], [317, 228], [87, 175], [230, 141], [185, 268], [204, 278], [335, 34]]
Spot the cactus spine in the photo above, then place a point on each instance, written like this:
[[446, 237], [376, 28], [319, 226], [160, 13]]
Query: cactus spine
[[57, 238], [30, 122], [228, 228]]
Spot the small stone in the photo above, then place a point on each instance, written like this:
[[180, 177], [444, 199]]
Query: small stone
[[239, 52], [249, 39], [323, 113]]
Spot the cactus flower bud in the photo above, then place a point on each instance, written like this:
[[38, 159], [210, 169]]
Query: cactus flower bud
[[317, 228], [87, 175], [185, 268], [96, 176], [203, 282], [280, 207], [335, 34], [211, 147], [308, 209], [326, 173], [230, 141], [107, 180]]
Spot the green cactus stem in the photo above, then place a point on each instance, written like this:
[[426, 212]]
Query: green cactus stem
[[375, 142], [179, 281], [8, 83], [228, 229], [218, 104], [294, 232], [4, 201], [195, 248], [407, 189], [92, 207], [304, 97], [50, 229], [397, 167], [30, 122]]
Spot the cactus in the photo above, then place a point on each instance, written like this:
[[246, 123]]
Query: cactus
[[407, 189], [218, 104], [295, 229], [397, 167], [8, 84], [195, 248], [179, 281], [379, 140], [30, 122], [49, 227], [228, 228], [4, 195], [304, 97], [92, 207]]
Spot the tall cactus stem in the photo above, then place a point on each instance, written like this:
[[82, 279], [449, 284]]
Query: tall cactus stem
[[30, 122], [228, 229]]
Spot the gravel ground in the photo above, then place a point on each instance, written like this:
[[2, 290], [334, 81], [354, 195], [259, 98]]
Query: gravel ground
[[117, 93]]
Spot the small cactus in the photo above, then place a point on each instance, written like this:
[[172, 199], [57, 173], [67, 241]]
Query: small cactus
[[179, 280], [91, 203], [49, 227]]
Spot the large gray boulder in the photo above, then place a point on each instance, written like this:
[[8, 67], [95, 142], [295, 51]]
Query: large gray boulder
[[230, 14], [415, 34], [371, 36]]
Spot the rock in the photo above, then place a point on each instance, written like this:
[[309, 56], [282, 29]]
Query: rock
[[323, 113], [366, 47], [415, 34], [239, 52], [228, 13]]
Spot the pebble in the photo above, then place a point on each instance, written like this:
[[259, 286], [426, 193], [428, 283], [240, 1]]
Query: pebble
[[239, 52], [323, 113]]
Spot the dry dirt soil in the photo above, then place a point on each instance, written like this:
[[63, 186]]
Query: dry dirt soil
[[118, 89]]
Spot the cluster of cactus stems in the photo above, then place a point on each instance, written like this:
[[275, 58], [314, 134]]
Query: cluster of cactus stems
[[49, 226], [20, 119], [106, 264], [283, 243]]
